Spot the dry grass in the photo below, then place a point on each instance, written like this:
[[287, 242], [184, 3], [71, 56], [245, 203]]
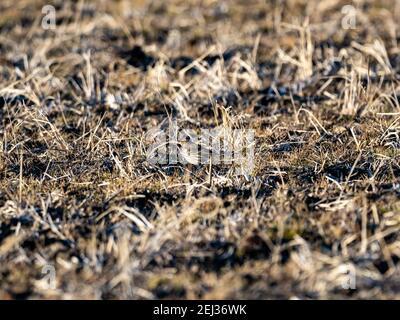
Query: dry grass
[[76, 190]]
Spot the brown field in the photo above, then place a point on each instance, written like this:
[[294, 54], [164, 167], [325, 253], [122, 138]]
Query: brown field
[[81, 202]]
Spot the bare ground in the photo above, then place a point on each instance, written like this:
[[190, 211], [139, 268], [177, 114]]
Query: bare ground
[[77, 192]]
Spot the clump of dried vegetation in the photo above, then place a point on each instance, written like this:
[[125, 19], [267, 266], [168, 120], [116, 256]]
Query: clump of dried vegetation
[[78, 193]]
